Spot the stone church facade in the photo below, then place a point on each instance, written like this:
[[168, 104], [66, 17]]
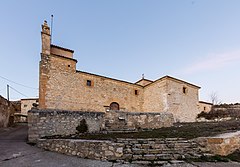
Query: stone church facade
[[63, 87]]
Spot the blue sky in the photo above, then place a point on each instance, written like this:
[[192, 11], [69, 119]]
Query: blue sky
[[194, 40]]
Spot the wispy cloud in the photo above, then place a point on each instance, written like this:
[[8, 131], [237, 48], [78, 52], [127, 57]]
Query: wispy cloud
[[213, 62]]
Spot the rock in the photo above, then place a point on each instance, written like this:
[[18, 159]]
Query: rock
[[74, 152], [109, 153], [119, 150]]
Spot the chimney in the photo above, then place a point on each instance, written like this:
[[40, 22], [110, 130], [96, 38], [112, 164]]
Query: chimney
[[46, 38]]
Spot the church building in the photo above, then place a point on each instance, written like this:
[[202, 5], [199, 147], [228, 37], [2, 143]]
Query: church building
[[63, 87]]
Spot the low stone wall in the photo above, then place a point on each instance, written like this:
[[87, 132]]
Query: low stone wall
[[147, 150], [55, 122], [223, 144], [159, 149], [92, 149], [221, 112], [119, 120]]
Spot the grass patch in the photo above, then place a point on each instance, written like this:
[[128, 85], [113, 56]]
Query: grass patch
[[215, 158], [235, 156], [179, 130]]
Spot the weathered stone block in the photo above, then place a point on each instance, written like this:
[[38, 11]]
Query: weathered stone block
[[154, 151], [127, 157], [109, 153], [163, 156], [138, 151], [149, 157], [215, 140], [137, 157], [141, 162], [119, 150]]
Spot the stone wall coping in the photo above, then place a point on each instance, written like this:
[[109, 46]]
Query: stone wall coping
[[79, 140], [57, 111], [153, 139], [52, 111], [180, 140], [140, 113], [227, 135]]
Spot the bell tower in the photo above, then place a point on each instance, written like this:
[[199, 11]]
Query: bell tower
[[46, 38], [44, 64], [55, 60]]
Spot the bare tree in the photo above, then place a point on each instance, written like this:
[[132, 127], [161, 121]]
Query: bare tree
[[214, 98]]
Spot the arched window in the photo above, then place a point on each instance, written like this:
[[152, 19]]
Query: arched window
[[114, 106]]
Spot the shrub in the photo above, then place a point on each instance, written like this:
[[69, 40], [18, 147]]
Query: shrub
[[82, 127], [216, 113]]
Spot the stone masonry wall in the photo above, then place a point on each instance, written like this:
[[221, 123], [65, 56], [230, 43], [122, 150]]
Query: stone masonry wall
[[117, 120], [27, 104], [143, 82], [222, 144], [7, 111], [144, 150], [155, 97], [62, 52], [167, 95], [4, 112], [68, 90], [221, 112], [226, 110], [62, 87], [93, 149], [204, 107], [57, 122], [183, 105], [147, 151]]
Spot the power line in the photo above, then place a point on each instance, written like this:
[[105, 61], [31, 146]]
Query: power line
[[18, 83], [18, 91]]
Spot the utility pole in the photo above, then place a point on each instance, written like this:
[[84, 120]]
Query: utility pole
[[8, 94]]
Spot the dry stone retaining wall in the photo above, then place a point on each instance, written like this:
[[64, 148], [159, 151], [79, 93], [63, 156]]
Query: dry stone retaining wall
[[159, 149], [221, 112], [152, 150], [118, 120], [93, 149], [223, 144], [131, 150], [57, 122]]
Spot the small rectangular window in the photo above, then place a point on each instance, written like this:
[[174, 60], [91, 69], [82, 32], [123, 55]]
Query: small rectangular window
[[136, 92], [89, 83], [184, 90], [25, 105]]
